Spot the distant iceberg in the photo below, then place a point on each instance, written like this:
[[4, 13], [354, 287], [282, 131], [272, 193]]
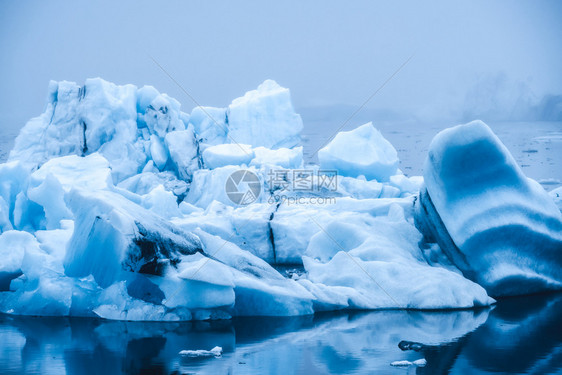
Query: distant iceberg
[[114, 203]]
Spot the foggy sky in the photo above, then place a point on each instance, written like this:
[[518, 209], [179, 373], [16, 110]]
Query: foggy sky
[[468, 59]]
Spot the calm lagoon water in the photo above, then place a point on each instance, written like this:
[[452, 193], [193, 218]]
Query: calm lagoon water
[[517, 335]]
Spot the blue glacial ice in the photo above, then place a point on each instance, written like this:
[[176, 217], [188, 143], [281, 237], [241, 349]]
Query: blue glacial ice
[[114, 203], [500, 228]]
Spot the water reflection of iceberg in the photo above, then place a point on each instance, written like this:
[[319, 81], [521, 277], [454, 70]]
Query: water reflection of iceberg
[[515, 336], [522, 335]]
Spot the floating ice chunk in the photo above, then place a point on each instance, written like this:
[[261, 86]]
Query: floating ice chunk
[[362, 151], [215, 352], [228, 154], [419, 363], [499, 227], [264, 117], [109, 239], [289, 158]]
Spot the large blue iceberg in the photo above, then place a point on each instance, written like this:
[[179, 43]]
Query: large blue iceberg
[[499, 227], [114, 203]]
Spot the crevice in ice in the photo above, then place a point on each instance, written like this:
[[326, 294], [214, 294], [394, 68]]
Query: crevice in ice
[[81, 92], [270, 230], [55, 101], [84, 144], [200, 162]]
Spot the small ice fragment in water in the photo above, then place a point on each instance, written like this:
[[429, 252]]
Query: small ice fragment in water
[[215, 352], [419, 363]]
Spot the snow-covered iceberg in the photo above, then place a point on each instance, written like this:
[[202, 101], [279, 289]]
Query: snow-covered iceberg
[[499, 227], [117, 204]]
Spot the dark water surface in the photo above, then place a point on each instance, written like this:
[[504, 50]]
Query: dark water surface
[[518, 335]]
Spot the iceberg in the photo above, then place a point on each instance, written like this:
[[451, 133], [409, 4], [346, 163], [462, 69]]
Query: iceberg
[[115, 203], [360, 152], [500, 228]]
